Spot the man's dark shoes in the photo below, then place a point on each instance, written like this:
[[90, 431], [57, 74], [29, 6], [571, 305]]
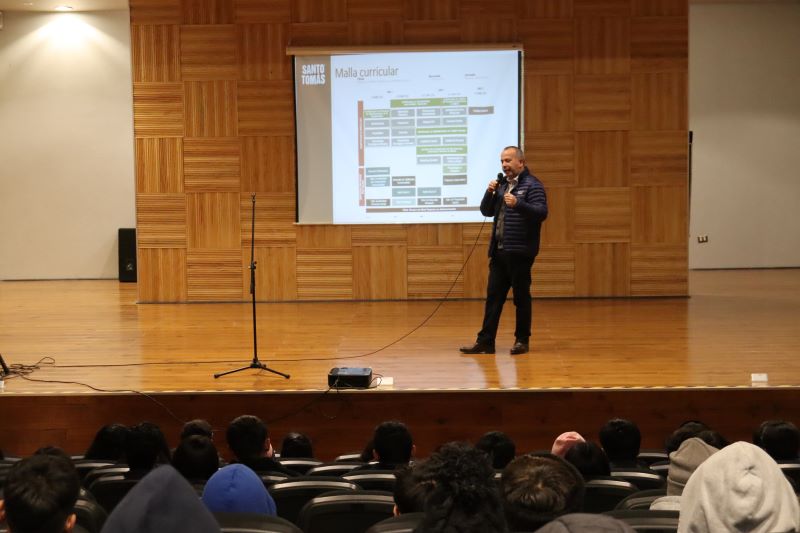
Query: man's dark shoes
[[519, 347], [478, 347]]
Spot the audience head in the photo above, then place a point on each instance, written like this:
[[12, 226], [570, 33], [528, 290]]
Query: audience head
[[589, 459], [196, 458], [247, 437], [585, 523], [296, 445], [198, 426], [237, 489], [538, 487], [410, 490], [780, 439], [687, 430], [393, 443], [108, 443], [463, 495], [684, 461], [499, 447], [39, 495], [739, 488], [621, 440], [368, 453], [565, 441], [162, 501], [145, 446]]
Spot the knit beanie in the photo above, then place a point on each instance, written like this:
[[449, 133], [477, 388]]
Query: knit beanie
[[237, 489], [565, 441], [739, 488], [684, 461]]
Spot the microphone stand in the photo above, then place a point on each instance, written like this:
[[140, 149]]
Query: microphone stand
[[255, 363]]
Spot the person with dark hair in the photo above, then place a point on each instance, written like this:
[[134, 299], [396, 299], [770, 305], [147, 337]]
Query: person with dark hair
[[410, 490], [499, 447], [296, 446], [368, 452], [687, 430], [108, 443], [463, 495], [780, 439], [518, 204], [248, 439], [39, 495], [145, 447], [198, 426], [589, 459], [538, 488], [393, 446], [621, 441], [196, 458]]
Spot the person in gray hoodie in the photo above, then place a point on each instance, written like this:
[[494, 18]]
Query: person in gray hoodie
[[739, 488], [682, 463], [163, 501]]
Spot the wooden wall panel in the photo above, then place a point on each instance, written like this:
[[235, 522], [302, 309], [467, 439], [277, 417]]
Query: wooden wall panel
[[250, 11], [660, 101], [268, 164], [214, 275], [554, 271], [155, 11], [161, 220], [262, 52], [659, 270], [380, 272], [211, 109], [602, 158], [208, 11], [276, 273], [266, 108], [602, 45], [156, 53], [648, 205], [158, 109], [659, 157], [212, 164], [213, 220], [551, 157], [602, 269], [159, 165], [602, 215], [605, 119], [161, 274], [602, 103], [433, 271], [209, 53], [325, 274], [274, 219], [549, 45]]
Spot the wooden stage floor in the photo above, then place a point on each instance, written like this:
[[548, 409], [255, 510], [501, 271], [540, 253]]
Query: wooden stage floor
[[735, 324]]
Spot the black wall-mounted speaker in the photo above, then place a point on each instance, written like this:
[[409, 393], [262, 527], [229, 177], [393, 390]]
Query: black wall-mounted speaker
[[127, 255]]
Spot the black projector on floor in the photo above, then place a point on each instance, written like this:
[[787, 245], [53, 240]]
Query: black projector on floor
[[350, 378]]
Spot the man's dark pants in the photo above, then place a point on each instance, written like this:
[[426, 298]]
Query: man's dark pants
[[506, 271]]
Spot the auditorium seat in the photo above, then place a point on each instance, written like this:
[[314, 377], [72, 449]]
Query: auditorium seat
[[372, 479], [291, 495], [649, 521], [254, 523], [641, 499], [301, 466], [97, 473], [405, 523], [332, 469], [90, 515], [345, 511], [270, 478], [644, 479], [109, 490], [84, 466], [652, 456], [604, 493], [661, 468], [349, 458]]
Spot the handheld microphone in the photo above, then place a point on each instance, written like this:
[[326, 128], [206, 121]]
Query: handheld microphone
[[501, 179]]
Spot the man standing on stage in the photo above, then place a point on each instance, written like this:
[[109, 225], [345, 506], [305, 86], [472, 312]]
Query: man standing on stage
[[518, 203]]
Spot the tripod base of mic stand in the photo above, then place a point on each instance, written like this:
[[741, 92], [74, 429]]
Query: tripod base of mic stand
[[255, 365]]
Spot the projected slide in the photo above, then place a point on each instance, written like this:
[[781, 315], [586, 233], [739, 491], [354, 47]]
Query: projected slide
[[414, 137]]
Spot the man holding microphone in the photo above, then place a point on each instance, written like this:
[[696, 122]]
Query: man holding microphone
[[518, 203]]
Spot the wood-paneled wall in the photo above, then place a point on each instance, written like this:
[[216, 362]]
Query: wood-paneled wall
[[606, 118]]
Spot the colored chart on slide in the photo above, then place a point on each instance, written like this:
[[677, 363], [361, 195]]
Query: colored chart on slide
[[421, 141]]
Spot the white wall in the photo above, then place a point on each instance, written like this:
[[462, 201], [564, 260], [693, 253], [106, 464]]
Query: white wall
[[744, 109], [66, 143]]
